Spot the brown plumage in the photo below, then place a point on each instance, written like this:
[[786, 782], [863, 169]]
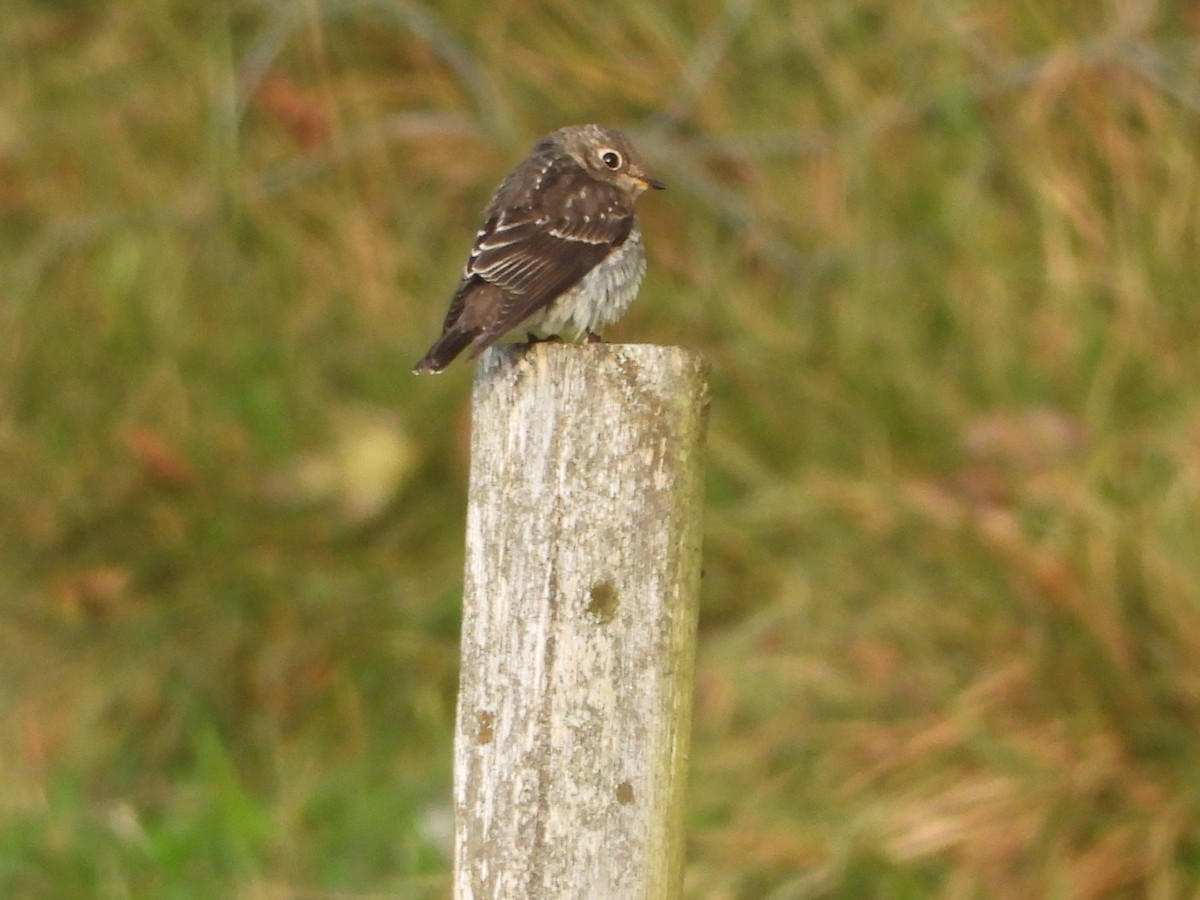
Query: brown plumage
[[560, 248]]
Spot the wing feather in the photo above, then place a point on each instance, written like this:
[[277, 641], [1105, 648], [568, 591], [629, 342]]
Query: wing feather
[[546, 265]]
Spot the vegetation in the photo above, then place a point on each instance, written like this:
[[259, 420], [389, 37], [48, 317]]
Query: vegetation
[[943, 259]]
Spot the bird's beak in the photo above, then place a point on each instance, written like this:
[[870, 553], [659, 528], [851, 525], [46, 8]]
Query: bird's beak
[[635, 171]]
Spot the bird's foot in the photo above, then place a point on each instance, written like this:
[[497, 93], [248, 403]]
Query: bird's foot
[[532, 338], [592, 337]]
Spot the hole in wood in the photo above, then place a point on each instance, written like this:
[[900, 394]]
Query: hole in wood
[[624, 793], [484, 730], [604, 600]]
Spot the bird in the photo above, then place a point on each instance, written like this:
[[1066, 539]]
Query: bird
[[560, 249]]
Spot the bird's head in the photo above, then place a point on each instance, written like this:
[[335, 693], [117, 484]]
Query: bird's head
[[607, 155]]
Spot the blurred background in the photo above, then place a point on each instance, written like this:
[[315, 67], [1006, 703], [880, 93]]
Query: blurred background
[[944, 258]]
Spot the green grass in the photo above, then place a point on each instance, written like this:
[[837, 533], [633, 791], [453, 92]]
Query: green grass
[[942, 258]]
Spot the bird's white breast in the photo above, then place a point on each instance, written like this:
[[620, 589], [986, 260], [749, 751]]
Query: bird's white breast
[[602, 295]]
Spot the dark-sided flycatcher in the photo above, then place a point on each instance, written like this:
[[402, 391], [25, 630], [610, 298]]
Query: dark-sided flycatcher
[[560, 249]]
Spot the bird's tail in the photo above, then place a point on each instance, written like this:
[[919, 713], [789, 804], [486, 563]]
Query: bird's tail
[[452, 342]]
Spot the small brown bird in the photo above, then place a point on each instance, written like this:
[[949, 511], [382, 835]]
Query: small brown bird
[[560, 248]]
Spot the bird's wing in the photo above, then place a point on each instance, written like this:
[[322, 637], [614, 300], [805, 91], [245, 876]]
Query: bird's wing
[[534, 260]]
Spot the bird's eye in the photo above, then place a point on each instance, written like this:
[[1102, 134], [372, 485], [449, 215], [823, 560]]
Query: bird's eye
[[612, 159]]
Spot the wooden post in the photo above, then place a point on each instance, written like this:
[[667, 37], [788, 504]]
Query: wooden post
[[579, 622]]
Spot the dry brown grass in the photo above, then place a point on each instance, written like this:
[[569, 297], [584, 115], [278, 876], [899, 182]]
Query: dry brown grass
[[943, 261]]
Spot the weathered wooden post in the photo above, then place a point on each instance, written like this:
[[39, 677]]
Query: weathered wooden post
[[579, 622]]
